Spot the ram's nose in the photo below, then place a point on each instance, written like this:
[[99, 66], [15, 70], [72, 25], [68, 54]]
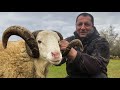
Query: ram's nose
[[55, 55]]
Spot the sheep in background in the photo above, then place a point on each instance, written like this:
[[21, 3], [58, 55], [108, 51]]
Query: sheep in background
[[31, 57]]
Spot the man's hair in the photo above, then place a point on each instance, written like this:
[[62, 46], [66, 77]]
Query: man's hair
[[86, 14]]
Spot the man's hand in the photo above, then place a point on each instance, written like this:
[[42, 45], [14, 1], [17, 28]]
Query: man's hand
[[63, 45]]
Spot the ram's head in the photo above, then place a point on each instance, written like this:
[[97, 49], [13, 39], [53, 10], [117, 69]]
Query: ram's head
[[41, 44]]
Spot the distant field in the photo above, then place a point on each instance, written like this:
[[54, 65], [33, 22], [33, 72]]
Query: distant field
[[60, 71]]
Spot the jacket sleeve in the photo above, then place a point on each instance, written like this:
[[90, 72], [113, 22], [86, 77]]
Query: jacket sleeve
[[94, 63]]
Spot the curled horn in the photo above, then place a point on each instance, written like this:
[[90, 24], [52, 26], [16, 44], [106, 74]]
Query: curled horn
[[73, 44], [59, 34], [35, 33], [24, 34]]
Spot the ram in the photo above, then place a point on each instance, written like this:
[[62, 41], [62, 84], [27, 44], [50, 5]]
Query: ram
[[30, 57]]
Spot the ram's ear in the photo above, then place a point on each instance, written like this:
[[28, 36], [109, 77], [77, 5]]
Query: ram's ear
[[59, 34]]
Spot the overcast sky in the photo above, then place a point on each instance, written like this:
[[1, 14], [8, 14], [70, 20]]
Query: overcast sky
[[64, 22]]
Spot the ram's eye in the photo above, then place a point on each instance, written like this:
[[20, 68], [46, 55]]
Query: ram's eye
[[39, 41]]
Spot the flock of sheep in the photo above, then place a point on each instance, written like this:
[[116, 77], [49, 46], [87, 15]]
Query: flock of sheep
[[30, 57]]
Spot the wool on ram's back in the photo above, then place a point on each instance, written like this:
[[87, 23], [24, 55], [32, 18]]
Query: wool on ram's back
[[15, 62]]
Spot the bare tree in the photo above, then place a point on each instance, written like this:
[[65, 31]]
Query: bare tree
[[113, 39], [110, 35], [116, 49]]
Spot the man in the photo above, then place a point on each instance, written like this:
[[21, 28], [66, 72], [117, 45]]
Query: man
[[93, 61]]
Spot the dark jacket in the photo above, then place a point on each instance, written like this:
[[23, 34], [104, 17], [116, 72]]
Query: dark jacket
[[93, 61]]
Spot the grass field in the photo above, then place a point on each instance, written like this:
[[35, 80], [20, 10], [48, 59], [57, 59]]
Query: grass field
[[57, 71], [60, 71], [114, 69]]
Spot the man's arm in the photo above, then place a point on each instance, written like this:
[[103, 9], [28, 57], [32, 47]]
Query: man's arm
[[93, 63]]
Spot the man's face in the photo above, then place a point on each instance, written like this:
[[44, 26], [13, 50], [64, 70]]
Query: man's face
[[84, 25]]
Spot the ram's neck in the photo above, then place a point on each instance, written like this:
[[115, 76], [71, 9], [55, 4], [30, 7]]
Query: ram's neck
[[41, 68]]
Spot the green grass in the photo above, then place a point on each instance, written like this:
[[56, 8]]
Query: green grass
[[60, 71], [114, 69], [57, 71]]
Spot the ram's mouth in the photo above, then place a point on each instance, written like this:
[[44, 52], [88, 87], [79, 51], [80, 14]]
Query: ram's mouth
[[55, 62]]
